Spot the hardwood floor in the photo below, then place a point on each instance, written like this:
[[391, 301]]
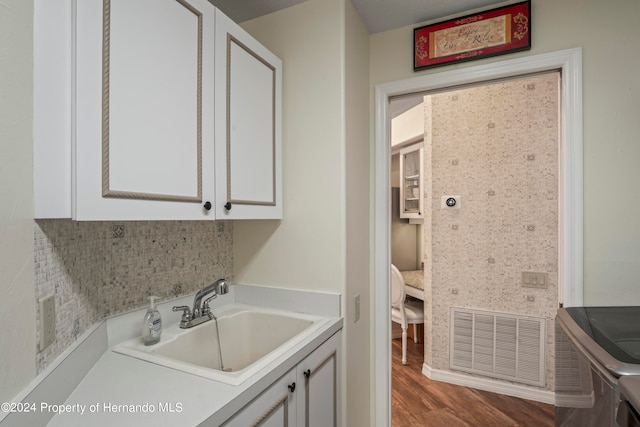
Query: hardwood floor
[[418, 401]]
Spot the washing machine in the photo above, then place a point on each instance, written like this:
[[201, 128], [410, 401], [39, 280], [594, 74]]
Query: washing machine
[[628, 399], [597, 364]]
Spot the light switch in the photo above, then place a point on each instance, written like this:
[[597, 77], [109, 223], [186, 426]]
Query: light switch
[[534, 279]]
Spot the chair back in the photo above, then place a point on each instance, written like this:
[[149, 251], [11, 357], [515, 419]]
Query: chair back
[[397, 287]]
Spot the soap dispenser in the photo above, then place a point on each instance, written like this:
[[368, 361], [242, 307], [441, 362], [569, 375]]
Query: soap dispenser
[[152, 325]]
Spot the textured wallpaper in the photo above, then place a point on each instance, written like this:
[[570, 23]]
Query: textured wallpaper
[[99, 269], [497, 147]]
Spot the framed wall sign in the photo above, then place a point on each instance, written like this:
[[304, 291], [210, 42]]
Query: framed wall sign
[[492, 32]]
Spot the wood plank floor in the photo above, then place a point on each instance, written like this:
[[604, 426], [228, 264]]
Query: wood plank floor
[[418, 401]]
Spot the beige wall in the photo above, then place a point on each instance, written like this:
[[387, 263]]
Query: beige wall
[[306, 250], [17, 308], [358, 384], [611, 127], [323, 241]]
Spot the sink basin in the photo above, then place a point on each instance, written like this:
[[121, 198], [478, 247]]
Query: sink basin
[[250, 338]]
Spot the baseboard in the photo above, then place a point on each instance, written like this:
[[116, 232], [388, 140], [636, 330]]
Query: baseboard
[[488, 384]]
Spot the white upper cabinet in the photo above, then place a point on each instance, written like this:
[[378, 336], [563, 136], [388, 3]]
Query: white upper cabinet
[[412, 182], [248, 130], [52, 106], [142, 114], [144, 109]]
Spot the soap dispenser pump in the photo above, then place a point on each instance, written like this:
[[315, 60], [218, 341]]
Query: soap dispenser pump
[[152, 325]]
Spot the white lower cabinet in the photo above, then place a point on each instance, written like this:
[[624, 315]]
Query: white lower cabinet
[[319, 376], [275, 407], [307, 395]]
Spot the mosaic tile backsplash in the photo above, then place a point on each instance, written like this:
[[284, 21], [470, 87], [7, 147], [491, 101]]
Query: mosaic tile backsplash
[[99, 269], [497, 147]]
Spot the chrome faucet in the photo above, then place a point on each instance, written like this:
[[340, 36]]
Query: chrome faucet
[[201, 312]]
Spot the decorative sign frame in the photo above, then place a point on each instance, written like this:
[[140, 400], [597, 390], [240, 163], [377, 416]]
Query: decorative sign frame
[[492, 32]]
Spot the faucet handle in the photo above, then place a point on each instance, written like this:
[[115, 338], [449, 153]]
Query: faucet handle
[[206, 310], [186, 309], [186, 314]]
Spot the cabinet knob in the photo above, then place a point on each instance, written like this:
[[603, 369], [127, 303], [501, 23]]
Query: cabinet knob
[[292, 387], [207, 205], [227, 206], [307, 373]]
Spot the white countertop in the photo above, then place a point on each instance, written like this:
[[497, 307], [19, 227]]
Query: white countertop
[[115, 389], [120, 380], [122, 390]]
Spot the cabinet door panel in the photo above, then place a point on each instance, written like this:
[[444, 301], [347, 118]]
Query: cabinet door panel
[[275, 407], [412, 182], [320, 404], [151, 116], [320, 374], [250, 145], [144, 86], [248, 126]]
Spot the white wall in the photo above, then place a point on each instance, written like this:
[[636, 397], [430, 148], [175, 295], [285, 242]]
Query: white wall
[[17, 304], [611, 127], [408, 126]]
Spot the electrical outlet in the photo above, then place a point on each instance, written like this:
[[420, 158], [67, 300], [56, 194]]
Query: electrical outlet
[[47, 321], [356, 301]]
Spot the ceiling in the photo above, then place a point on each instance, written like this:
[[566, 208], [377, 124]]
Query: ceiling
[[377, 15]]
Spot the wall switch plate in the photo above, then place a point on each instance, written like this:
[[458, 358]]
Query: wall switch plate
[[533, 279], [356, 301], [47, 321]]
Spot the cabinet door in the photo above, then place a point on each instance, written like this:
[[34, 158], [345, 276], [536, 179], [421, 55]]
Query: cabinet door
[[248, 122], [143, 144], [411, 182], [319, 399], [275, 407]]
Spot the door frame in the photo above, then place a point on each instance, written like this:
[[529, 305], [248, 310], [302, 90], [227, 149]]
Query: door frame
[[570, 184]]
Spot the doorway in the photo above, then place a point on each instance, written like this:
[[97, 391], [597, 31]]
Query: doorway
[[570, 186], [493, 148]]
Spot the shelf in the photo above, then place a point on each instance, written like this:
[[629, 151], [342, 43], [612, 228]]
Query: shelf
[[411, 179]]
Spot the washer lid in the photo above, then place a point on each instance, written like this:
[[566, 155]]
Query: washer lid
[[615, 329]]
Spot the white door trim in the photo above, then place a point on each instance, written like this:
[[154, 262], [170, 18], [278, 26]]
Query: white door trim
[[570, 263]]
